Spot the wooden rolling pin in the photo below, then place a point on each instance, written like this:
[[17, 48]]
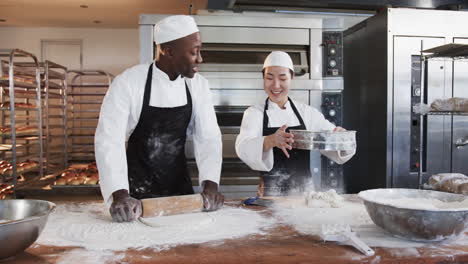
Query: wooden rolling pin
[[172, 205]]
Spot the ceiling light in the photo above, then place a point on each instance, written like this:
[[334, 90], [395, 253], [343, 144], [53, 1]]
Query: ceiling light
[[83, 6]]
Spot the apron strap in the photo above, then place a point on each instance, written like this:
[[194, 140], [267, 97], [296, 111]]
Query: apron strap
[[147, 94]]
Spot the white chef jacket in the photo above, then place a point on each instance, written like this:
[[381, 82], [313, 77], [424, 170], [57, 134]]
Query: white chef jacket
[[249, 142], [120, 112]]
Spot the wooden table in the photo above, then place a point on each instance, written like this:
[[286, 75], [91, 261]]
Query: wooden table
[[282, 245]]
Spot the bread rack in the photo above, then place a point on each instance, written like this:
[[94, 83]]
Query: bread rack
[[54, 112], [86, 92], [18, 86], [452, 52]]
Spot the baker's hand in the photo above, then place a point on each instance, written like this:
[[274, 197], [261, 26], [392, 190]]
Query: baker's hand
[[212, 199], [339, 129], [280, 139], [125, 208]]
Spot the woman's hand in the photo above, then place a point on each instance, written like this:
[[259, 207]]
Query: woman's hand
[[280, 139], [339, 129]]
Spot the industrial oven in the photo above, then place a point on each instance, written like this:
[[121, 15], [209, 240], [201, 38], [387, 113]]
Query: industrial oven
[[233, 51], [382, 80]]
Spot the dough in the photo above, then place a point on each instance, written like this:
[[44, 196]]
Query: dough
[[328, 199]]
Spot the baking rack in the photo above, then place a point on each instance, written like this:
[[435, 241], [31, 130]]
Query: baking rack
[[20, 98], [451, 52], [54, 110], [86, 92]]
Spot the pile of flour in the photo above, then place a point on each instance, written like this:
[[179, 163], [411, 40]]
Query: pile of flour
[[90, 226], [323, 199]]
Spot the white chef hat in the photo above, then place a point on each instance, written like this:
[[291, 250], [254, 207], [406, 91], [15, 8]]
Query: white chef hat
[[174, 27], [278, 58]]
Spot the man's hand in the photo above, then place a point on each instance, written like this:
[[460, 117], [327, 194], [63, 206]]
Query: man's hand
[[125, 208], [212, 199], [280, 139]]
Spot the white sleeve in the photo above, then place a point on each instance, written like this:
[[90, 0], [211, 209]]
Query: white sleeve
[[109, 140], [249, 142], [207, 142]]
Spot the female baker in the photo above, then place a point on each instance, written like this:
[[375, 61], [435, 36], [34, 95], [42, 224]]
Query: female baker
[[264, 142]]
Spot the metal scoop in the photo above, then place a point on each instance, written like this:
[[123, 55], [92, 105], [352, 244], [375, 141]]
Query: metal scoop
[[343, 233]]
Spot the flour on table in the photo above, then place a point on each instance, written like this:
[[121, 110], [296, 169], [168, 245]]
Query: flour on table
[[310, 199], [195, 221], [90, 226], [323, 199], [83, 256], [309, 221], [4, 221]]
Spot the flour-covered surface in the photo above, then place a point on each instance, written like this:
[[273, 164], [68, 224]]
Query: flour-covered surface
[[286, 234], [307, 220], [90, 226]]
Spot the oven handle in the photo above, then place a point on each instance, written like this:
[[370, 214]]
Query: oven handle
[[300, 73]]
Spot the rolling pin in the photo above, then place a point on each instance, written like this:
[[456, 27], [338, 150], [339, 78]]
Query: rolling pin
[[172, 205]]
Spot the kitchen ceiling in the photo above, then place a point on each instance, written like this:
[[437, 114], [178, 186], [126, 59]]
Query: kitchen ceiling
[[369, 5], [89, 13]]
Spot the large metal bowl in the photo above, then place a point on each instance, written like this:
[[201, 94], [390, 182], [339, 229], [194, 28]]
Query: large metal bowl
[[21, 222], [415, 224], [324, 140]]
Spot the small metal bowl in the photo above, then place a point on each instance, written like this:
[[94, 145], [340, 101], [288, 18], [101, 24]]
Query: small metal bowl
[[21, 223], [415, 224], [324, 140]]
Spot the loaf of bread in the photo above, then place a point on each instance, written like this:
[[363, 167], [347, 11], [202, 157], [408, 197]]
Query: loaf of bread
[[449, 182], [79, 174], [17, 105], [20, 130], [452, 104]]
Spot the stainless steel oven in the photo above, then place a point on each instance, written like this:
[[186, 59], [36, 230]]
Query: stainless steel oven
[[382, 73]]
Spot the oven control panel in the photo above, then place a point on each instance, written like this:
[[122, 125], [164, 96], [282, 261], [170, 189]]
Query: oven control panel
[[332, 43], [415, 138], [332, 173]]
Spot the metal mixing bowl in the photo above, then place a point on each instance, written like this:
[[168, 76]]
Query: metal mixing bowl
[[415, 224], [21, 222]]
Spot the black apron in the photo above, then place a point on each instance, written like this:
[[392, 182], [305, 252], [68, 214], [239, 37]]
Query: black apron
[[288, 176], [156, 149]]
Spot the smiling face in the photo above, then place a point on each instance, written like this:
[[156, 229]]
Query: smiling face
[[187, 55], [276, 83]]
